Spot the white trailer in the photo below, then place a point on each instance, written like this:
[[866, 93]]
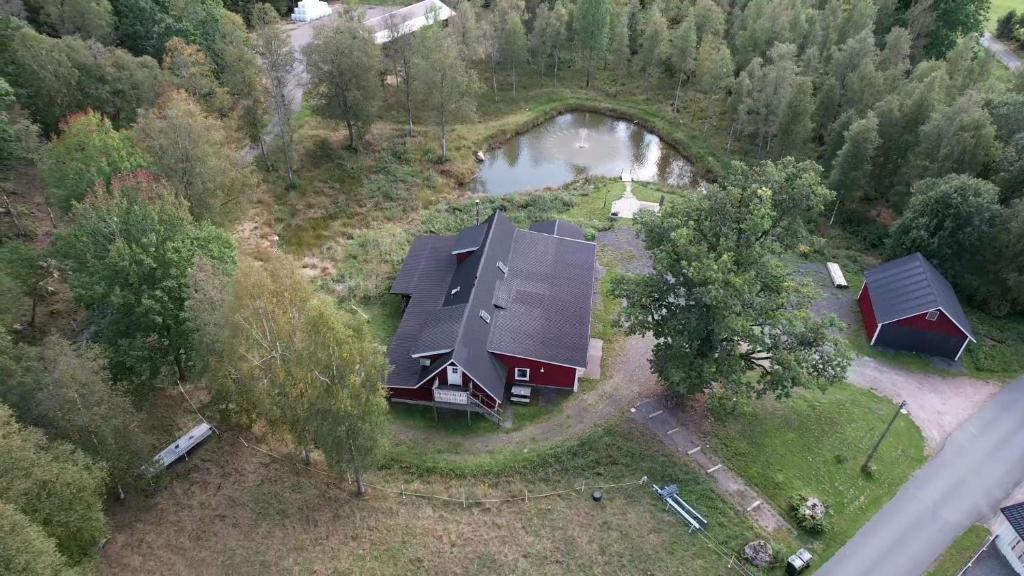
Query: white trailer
[[181, 446]]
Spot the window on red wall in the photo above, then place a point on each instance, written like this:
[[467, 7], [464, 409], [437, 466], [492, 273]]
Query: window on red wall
[[933, 315], [523, 374]]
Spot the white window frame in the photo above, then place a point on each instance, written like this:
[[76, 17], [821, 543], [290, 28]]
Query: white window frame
[[525, 378], [485, 316], [932, 315], [454, 372]]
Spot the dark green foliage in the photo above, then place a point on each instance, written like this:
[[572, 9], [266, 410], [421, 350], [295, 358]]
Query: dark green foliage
[[25, 549], [142, 26], [22, 266], [951, 221], [728, 316], [54, 485], [1006, 26], [129, 253], [942, 22], [19, 137], [799, 197], [66, 391], [88, 154], [803, 518], [54, 77], [90, 19]]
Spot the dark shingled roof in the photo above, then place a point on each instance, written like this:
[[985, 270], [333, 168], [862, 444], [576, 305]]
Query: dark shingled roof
[[559, 228], [424, 276], [909, 286], [538, 302], [439, 332], [470, 239], [547, 316], [1015, 516]]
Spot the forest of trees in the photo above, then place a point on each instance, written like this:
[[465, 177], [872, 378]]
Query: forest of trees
[[884, 118]]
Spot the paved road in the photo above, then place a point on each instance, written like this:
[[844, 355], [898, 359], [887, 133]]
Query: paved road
[[1002, 52], [981, 463]]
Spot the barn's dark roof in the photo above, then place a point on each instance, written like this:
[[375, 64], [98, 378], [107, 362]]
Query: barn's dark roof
[[547, 314], [559, 228], [534, 288], [911, 285], [1015, 516]]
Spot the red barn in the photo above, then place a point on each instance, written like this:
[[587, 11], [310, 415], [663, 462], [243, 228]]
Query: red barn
[[908, 305], [489, 308]]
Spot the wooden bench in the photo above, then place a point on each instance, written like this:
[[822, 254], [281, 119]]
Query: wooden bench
[[836, 275]]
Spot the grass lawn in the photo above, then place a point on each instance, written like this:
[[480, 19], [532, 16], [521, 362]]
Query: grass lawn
[[234, 511], [814, 444], [960, 553], [1000, 7]]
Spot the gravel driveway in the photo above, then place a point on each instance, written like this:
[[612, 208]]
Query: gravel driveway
[[937, 404]]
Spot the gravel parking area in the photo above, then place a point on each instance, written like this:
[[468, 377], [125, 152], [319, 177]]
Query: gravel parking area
[[627, 249]]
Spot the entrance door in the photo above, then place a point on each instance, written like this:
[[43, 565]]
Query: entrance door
[[454, 375]]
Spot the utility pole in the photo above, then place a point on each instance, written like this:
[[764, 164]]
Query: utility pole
[[900, 409]]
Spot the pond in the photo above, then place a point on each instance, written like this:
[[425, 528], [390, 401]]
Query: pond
[[579, 144]]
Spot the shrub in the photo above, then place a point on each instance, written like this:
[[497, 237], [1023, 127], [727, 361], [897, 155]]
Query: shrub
[[1006, 26], [369, 261], [809, 513]]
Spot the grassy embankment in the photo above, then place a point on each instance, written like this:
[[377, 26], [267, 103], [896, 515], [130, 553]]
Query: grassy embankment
[[961, 552]]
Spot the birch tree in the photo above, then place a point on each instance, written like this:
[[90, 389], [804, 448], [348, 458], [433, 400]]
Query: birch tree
[[279, 60], [449, 86], [652, 43], [713, 74], [591, 26], [683, 56], [344, 63], [511, 35], [348, 412]]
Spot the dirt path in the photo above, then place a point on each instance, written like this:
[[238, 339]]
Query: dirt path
[[628, 381], [670, 427], [937, 404]]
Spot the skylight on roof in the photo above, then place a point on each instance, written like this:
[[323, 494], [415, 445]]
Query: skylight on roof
[[502, 267], [485, 316]]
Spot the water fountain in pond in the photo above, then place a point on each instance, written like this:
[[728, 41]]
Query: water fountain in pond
[[578, 144]]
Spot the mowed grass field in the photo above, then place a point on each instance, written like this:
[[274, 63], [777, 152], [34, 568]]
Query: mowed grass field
[[232, 510], [814, 444]]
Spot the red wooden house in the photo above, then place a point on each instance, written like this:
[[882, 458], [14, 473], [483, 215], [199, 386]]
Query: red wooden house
[[908, 305], [490, 308]]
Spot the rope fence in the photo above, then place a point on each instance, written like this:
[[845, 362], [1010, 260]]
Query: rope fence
[[733, 562]]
